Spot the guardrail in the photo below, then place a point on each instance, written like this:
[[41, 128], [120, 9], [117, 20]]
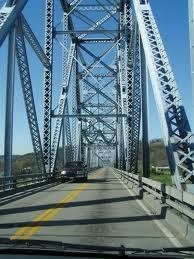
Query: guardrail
[[181, 201], [12, 182]]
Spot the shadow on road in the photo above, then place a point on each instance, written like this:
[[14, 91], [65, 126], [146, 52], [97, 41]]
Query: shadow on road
[[69, 205], [101, 180], [19, 196], [95, 221]]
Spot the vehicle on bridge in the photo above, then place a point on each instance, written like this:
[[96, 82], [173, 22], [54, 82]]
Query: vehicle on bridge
[[75, 170]]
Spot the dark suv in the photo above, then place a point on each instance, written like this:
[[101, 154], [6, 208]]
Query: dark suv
[[74, 170]]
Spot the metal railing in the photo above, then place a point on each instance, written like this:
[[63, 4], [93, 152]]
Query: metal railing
[[12, 182], [181, 201]]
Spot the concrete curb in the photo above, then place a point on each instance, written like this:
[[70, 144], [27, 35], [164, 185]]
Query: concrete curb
[[180, 223]]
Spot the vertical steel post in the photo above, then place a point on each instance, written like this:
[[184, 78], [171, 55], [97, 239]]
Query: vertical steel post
[[48, 83], [129, 73], [64, 65], [63, 143], [145, 139], [9, 105], [27, 90], [116, 151], [74, 110], [88, 156]]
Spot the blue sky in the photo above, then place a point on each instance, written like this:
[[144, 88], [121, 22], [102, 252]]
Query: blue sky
[[172, 19]]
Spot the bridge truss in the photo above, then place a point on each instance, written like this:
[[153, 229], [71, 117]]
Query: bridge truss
[[106, 48]]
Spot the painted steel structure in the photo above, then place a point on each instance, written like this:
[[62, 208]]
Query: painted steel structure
[[191, 29], [107, 47]]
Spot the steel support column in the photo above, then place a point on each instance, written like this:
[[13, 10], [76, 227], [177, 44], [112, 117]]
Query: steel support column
[[145, 138], [27, 90], [48, 83], [178, 137], [9, 105]]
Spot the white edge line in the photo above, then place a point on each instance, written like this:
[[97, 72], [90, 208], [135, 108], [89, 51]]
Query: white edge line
[[160, 225]]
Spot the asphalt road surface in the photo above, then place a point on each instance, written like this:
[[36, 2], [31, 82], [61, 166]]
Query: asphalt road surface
[[100, 212]]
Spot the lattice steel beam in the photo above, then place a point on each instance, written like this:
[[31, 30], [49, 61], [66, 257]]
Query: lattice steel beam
[[66, 135], [178, 138], [136, 108], [97, 24], [145, 137], [48, 83], [28, 96], [9, 105], [86, 8], [8, 15], [34, 43], [128, 76], [121, 77], [61, 107], [75, 107]]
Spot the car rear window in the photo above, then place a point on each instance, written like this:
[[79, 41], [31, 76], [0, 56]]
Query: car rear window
[[73, 164]]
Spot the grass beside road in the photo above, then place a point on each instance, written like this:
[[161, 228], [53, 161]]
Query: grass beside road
[[161, 177]]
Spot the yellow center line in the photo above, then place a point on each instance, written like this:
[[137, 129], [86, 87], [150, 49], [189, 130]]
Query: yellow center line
[[27, 231]]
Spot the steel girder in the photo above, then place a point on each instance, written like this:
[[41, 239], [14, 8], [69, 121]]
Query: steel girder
[[66, 134], [9, 104], [67, 126], [69, 153], [75, 107], [8, 15], [61, 107], [136, 108], [29, 35], [80, 38], [48, 83], [132, 81], [191, 29], [178, 138], [98, 93], [86, 8], [121, 137], [98, 23], [145, 137], [28, 95], [74, 111]]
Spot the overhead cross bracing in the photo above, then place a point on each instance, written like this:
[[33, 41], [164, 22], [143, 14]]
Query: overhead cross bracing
[[95, 74], [106, 47]]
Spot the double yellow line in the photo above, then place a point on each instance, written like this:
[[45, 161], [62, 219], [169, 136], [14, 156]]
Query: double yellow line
[[27, 231]]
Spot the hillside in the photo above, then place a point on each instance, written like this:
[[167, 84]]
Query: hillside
[[157, 158], [158, 155]]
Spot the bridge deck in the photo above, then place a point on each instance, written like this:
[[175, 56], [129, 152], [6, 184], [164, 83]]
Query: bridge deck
[[102, 212]]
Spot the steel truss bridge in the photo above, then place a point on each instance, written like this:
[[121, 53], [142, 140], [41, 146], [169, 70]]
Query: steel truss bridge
[[107, 48]]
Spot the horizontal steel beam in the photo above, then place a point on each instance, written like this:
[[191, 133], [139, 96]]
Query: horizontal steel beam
[[96, 8], [93, 105], [86, 31], [98, 40], [82, 75], [89, 115], [100, 145]]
